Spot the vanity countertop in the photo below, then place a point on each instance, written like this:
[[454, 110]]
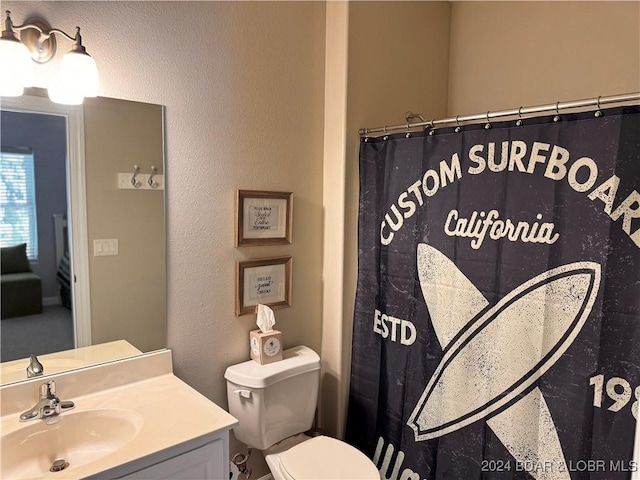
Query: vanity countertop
[[169, 413]]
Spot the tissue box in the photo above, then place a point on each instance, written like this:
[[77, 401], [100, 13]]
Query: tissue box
[[265, 347]]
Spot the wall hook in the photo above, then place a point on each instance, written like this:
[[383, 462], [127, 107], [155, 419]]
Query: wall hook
[[152, 183], [134, 181]]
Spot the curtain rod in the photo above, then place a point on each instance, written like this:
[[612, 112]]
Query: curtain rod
[[552, 107]]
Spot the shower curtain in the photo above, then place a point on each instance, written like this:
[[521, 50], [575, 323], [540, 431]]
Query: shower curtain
[[497, 319]]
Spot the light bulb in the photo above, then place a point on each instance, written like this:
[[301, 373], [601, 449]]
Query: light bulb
[[60, 92], [16, 69], [79, 71]]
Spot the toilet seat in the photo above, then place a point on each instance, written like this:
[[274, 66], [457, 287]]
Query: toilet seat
[[326, 458]]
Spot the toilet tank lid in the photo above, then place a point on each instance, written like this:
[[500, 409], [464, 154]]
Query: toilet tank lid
[[295, 361]]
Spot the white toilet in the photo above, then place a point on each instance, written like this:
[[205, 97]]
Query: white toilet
[[275, 404]]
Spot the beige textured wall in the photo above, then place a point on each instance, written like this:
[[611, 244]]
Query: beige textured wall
[[128, 291], [508, 54]]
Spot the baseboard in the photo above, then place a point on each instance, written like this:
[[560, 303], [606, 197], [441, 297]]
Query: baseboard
[[49, 301]]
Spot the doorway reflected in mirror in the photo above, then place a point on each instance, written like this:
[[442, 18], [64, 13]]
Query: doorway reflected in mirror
[[35, 288]]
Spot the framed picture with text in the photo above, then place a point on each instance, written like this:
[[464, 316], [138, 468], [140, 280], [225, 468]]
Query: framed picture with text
[[263, 218], [266, 281]]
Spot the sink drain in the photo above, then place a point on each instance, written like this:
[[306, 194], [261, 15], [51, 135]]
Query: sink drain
[[59, 465]]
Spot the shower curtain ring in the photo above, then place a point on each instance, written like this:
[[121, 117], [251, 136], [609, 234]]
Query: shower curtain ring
[[519, 122], [458, 124], [432, 127], [488, 124], [598, 112], [557, 117]]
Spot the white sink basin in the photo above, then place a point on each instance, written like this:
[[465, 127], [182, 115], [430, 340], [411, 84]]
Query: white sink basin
[[78, 438]]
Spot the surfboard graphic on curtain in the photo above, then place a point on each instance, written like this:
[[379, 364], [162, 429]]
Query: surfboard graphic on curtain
[[497, 318]]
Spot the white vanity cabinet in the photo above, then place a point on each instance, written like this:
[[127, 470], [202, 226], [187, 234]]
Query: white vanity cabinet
[[208, 462]]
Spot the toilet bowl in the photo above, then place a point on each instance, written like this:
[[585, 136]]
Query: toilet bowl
[[275, 404]]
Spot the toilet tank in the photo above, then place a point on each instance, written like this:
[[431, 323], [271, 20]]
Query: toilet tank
[[274, 401]]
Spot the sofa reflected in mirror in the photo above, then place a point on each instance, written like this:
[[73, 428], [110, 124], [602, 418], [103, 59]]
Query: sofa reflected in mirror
[[28, 327], [21, 289]]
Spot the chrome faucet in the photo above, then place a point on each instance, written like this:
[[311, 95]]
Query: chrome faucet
[[49, 404], [35, 368]]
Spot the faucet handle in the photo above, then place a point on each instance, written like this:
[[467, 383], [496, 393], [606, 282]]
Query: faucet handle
[[49, 404], [48, 389]]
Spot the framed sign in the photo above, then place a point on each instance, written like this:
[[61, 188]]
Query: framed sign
[[266, 281], [263, 218]]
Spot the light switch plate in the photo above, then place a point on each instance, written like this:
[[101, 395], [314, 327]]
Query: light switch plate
[[104, 247]]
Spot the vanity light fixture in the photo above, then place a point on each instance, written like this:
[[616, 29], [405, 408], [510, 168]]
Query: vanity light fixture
[[78, 74]]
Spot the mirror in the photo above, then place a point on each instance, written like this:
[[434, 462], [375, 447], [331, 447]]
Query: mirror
[[93, 226]]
